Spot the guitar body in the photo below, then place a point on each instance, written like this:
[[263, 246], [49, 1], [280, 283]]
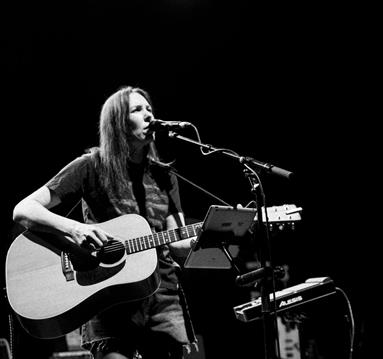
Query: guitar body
[[50, 304]]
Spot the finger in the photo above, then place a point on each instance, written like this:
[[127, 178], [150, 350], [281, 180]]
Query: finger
[[86, 241], [103, 237], [81, 240], [93, 239]]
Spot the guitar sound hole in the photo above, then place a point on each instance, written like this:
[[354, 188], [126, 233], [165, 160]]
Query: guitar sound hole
[[111, 252]]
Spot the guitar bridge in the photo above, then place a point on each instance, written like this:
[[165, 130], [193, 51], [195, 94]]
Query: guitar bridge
[[66, 267]]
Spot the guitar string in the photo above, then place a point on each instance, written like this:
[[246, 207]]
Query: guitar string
[[141, 240], [130, 243], [140, 243]]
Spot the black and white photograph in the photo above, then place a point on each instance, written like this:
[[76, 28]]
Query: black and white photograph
[[190, 179]]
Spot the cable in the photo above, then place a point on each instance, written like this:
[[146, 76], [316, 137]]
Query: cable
[[351, 317], [11, 344], [11, 335]]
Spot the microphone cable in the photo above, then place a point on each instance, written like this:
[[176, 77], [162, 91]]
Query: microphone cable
[[351, 319]]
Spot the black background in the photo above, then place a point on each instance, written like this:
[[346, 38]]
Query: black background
[[295, 86]]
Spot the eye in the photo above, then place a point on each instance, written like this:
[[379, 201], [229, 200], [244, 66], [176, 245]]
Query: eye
[[135, 109]]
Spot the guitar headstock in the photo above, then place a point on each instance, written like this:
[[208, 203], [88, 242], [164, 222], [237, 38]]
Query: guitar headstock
[[283, 216]]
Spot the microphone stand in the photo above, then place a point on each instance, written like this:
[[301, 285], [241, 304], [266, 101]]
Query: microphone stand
[[266, 272]]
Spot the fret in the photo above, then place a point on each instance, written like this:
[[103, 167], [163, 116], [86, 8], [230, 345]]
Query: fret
[[166, 237], [129, 248], [183, 232], [150, 241], [170, 236], [144, 242], [173, 236], [159, 238], [193, 229]]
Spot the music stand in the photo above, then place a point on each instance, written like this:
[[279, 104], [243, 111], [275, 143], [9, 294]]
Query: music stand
[[222, 226]]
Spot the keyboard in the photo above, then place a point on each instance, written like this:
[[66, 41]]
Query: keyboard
[[312, 289]]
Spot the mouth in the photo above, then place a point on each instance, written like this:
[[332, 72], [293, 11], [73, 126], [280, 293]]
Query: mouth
[[148, 133]]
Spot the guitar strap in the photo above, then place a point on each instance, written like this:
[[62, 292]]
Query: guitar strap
[[74, 207], [178, 219], [188, 322]]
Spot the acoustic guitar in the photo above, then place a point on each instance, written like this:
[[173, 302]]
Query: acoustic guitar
[[54, 286]]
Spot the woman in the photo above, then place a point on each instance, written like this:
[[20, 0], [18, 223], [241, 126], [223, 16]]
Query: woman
[[116, 178]]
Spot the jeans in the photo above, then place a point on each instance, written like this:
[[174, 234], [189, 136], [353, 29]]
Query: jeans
[[153, 327]]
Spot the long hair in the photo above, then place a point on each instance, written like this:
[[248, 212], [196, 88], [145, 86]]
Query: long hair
[[114, 130]]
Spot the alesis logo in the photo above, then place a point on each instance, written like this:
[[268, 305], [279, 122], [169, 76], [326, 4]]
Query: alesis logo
[[290, 301]]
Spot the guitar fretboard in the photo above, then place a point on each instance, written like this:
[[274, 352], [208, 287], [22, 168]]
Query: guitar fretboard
[[160, 238], [277, 214]]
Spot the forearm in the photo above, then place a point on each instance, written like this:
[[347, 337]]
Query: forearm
[[180, 248], [34, 216]]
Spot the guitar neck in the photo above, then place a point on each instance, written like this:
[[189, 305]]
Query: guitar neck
[[157, 239], [277, 215]]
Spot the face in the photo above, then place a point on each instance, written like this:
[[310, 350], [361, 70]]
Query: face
[[140, 116]]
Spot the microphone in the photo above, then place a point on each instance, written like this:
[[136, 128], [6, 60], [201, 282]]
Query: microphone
[[167, 125]]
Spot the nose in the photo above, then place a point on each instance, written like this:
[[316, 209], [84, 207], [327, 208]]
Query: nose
[[148, 116]]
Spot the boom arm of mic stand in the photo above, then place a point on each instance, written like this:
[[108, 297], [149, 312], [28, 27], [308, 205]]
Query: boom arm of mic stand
[[268, 167]]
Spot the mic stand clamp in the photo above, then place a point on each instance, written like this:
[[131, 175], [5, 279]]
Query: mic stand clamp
[[261, 273]]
